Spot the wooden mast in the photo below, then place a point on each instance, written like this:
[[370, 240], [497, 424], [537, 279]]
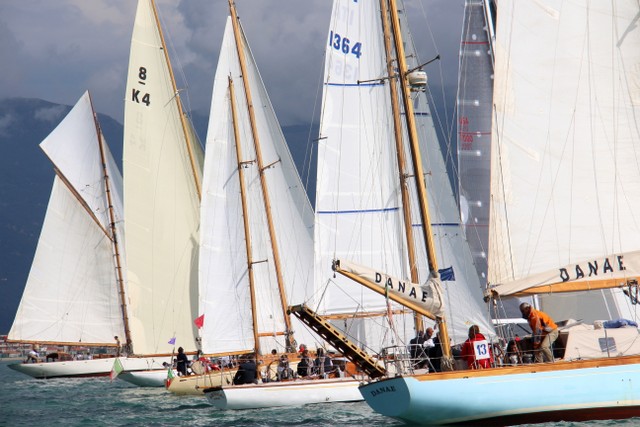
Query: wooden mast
[[261, 168], [114, 234], [403, 176], [245, 218], [187, 133], [417, 164]]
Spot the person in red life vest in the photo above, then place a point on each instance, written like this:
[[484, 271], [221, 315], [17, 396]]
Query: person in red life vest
[[544, 331], [476, 351]]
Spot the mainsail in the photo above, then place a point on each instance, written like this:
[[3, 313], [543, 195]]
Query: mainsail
[[72, 292], [239, 291], [564, 174], [162, 185]]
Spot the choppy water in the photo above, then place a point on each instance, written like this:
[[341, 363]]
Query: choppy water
[[99, 402]]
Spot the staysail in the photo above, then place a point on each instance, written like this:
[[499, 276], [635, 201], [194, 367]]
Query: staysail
[[162, 185], [564, 173], [72, 292], [236, 256]]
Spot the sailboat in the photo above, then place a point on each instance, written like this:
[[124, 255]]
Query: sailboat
[[562, 218], [370, 208], [73, 295], [162, 169], [257, 238]]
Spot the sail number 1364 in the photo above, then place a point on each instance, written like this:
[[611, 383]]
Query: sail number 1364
[[343, 44]]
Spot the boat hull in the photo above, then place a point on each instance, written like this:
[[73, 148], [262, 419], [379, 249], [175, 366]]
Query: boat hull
[[66, 369], [286, 393], [538, 393], [196, 384]]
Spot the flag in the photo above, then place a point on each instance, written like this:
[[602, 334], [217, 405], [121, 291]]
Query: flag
[[172, 341], [199, 322], [117, 368], [447, 274]]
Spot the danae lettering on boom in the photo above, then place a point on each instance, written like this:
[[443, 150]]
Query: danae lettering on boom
[[592, 268], [401, 287]]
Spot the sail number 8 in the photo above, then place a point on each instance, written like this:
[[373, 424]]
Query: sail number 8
[[136, 95], [343, 44]]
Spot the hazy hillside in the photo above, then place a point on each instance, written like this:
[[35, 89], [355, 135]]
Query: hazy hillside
[[26, 177]]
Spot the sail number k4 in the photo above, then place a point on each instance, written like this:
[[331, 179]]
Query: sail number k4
[[343, 44], [137, 95]]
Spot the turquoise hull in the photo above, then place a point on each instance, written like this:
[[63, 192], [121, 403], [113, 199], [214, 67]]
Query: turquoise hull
[[604, 392]]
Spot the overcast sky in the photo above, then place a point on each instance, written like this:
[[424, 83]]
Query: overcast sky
[[56, 49]]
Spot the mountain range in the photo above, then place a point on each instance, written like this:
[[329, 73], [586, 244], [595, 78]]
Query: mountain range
[[26, 177]]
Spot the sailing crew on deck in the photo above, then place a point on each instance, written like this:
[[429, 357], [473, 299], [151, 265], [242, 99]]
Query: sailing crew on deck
[[476, 350], [544, 331], [182, 361]]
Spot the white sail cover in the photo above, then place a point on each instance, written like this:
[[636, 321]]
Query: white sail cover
[[565, 176], [72, 293], [427, 297], [358, 201], [224, 268], [161, 199]]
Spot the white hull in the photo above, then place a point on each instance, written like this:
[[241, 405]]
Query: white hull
[[145, 372], [66, 369], [148, 378], [289, 393]]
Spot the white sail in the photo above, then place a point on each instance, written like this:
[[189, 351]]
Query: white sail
[[358, 207], [224, 267], [161, 198], [358, 201], [72, 292], [565, 178]]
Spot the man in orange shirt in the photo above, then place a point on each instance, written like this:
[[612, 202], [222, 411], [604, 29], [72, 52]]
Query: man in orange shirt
[[544, 331]]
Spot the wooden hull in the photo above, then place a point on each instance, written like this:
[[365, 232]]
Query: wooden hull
[[562, 391], [285, 393], [195, 384]]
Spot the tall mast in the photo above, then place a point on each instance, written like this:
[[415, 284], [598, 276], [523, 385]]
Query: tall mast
[[114, 234], [187, 134], [261, 169], [245, 218], [417, 164], [403, 176]]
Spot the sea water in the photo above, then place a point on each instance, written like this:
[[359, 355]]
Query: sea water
[[99, 402]]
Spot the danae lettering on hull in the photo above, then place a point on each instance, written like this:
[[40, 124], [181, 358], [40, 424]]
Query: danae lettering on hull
[[385, 389]]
